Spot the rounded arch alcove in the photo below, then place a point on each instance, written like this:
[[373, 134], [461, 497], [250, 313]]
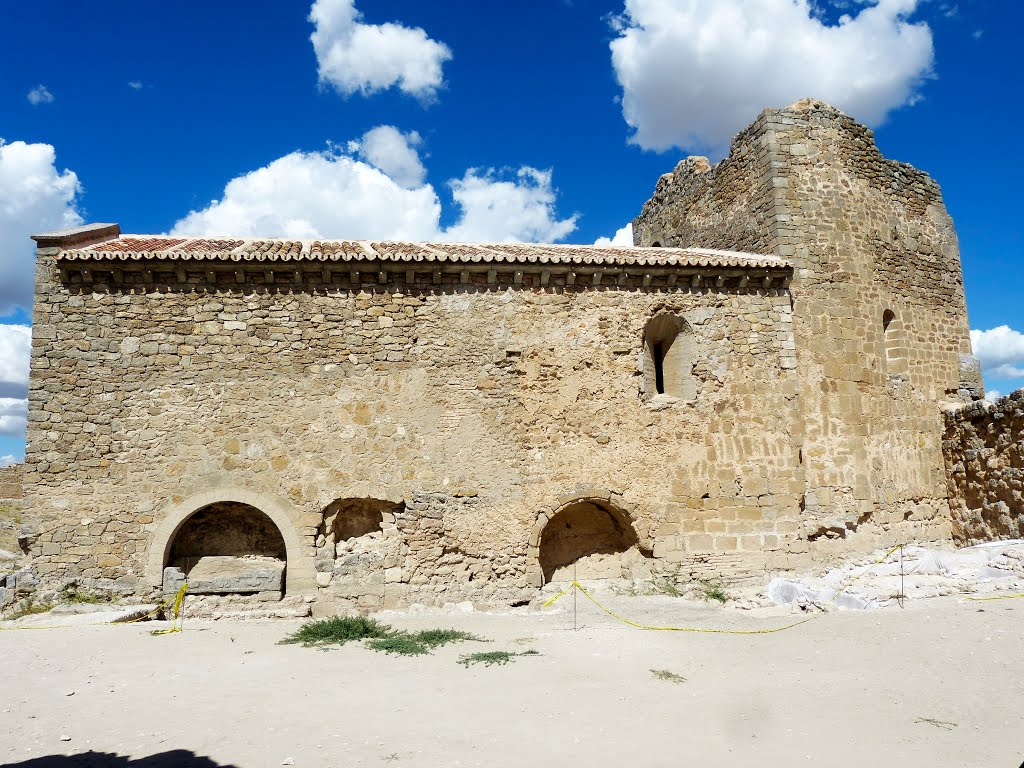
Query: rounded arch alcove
[[230, 541], [590, 538]]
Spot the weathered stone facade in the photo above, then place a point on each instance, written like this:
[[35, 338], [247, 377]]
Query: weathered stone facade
[[879, 316], [439, 423], [984, 449]]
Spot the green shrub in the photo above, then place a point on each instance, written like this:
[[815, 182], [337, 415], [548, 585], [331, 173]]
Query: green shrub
[[489, 658], [337, 630]]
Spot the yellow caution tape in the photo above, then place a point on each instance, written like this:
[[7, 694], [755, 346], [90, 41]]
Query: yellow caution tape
[[177, 601], [854, 580], [997, 597], [577, 585]]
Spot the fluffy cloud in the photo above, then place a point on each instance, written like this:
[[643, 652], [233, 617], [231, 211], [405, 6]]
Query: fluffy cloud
[[40, 95], [394, 153], [335, 194], [1001, 351], [15, 347], [494, 210], [317, 194], [622, 236], [8, 461], [694, 73], [34, 197], [355, 57]]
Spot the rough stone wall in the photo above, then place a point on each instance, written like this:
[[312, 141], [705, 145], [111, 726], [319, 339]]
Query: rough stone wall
[[866, 235], [984, 449], [12, 494], [481, 409]]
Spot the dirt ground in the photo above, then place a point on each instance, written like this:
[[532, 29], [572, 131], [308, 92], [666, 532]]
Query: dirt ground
[[939, 683]]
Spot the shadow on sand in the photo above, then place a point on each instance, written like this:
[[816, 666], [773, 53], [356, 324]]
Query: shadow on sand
[[178, 758]]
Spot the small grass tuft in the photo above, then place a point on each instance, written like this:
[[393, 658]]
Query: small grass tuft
[[714, 591], [29, 608], [435, 638], [489, 658], [74, 595], [338, 630], [400, 643], [419, 643], [668, 676]]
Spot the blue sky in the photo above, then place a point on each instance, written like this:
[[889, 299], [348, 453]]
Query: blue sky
[[534, 120]]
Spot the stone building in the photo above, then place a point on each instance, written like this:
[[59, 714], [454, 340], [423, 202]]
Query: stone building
[[757, 384]]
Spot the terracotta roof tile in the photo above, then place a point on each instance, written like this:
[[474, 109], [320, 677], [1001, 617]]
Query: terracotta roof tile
[[134, 247]]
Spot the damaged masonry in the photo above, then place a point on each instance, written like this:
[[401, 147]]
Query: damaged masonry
[[758, 384]]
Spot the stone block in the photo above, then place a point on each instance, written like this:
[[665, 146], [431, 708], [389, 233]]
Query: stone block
[[219, 575]]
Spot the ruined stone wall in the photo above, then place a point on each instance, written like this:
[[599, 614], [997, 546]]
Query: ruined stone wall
[[12, 494], [984, 449], [477, 411], [868, 236]]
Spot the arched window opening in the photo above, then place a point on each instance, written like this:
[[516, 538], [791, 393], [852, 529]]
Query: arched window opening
[[896, 349], [587, 540], [227, 548], [655, 244], [669, 352]]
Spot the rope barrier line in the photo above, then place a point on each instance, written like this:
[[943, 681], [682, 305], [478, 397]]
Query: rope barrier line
[[582, 589], [997, 597], [575, 585], [177, 602], [854, 580]]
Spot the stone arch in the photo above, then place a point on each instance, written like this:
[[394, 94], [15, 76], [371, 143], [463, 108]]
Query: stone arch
[[895, 345], [301, 577], [596, 530], [669, 352]]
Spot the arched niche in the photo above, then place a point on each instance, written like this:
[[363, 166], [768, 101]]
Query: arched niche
[[588, 537], [301, 574], [897, 351], [669, 351]]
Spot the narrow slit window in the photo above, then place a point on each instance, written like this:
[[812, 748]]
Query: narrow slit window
[[669, 355], [659, 367]]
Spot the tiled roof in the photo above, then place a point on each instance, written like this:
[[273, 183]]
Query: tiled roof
[[145, 247]]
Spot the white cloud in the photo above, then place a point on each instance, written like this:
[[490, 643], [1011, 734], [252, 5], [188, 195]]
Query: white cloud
[[507, 210], [992, 395], [622, 236], [1000, 346], [13, 416], [694, 73], [356, 57], [135, 85], [15, 348], [394, 153], [334, 194], [40, 95], [34, 197], [1001, 352], [8, 461]]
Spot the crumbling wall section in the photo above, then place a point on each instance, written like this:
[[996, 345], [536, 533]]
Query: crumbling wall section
[[879, 316], [984, 451]]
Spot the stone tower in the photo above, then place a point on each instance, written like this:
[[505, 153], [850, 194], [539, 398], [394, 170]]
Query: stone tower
[[879, 315]]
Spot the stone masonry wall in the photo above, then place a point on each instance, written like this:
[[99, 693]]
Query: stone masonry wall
[[984, 448], [12, 494], [871, 242], [480, 409]]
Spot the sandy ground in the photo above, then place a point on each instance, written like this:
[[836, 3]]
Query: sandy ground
[[937, 683]]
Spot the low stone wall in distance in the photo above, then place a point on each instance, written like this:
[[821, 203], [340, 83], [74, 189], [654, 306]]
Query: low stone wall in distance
[[984, 453], [11, 496]]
